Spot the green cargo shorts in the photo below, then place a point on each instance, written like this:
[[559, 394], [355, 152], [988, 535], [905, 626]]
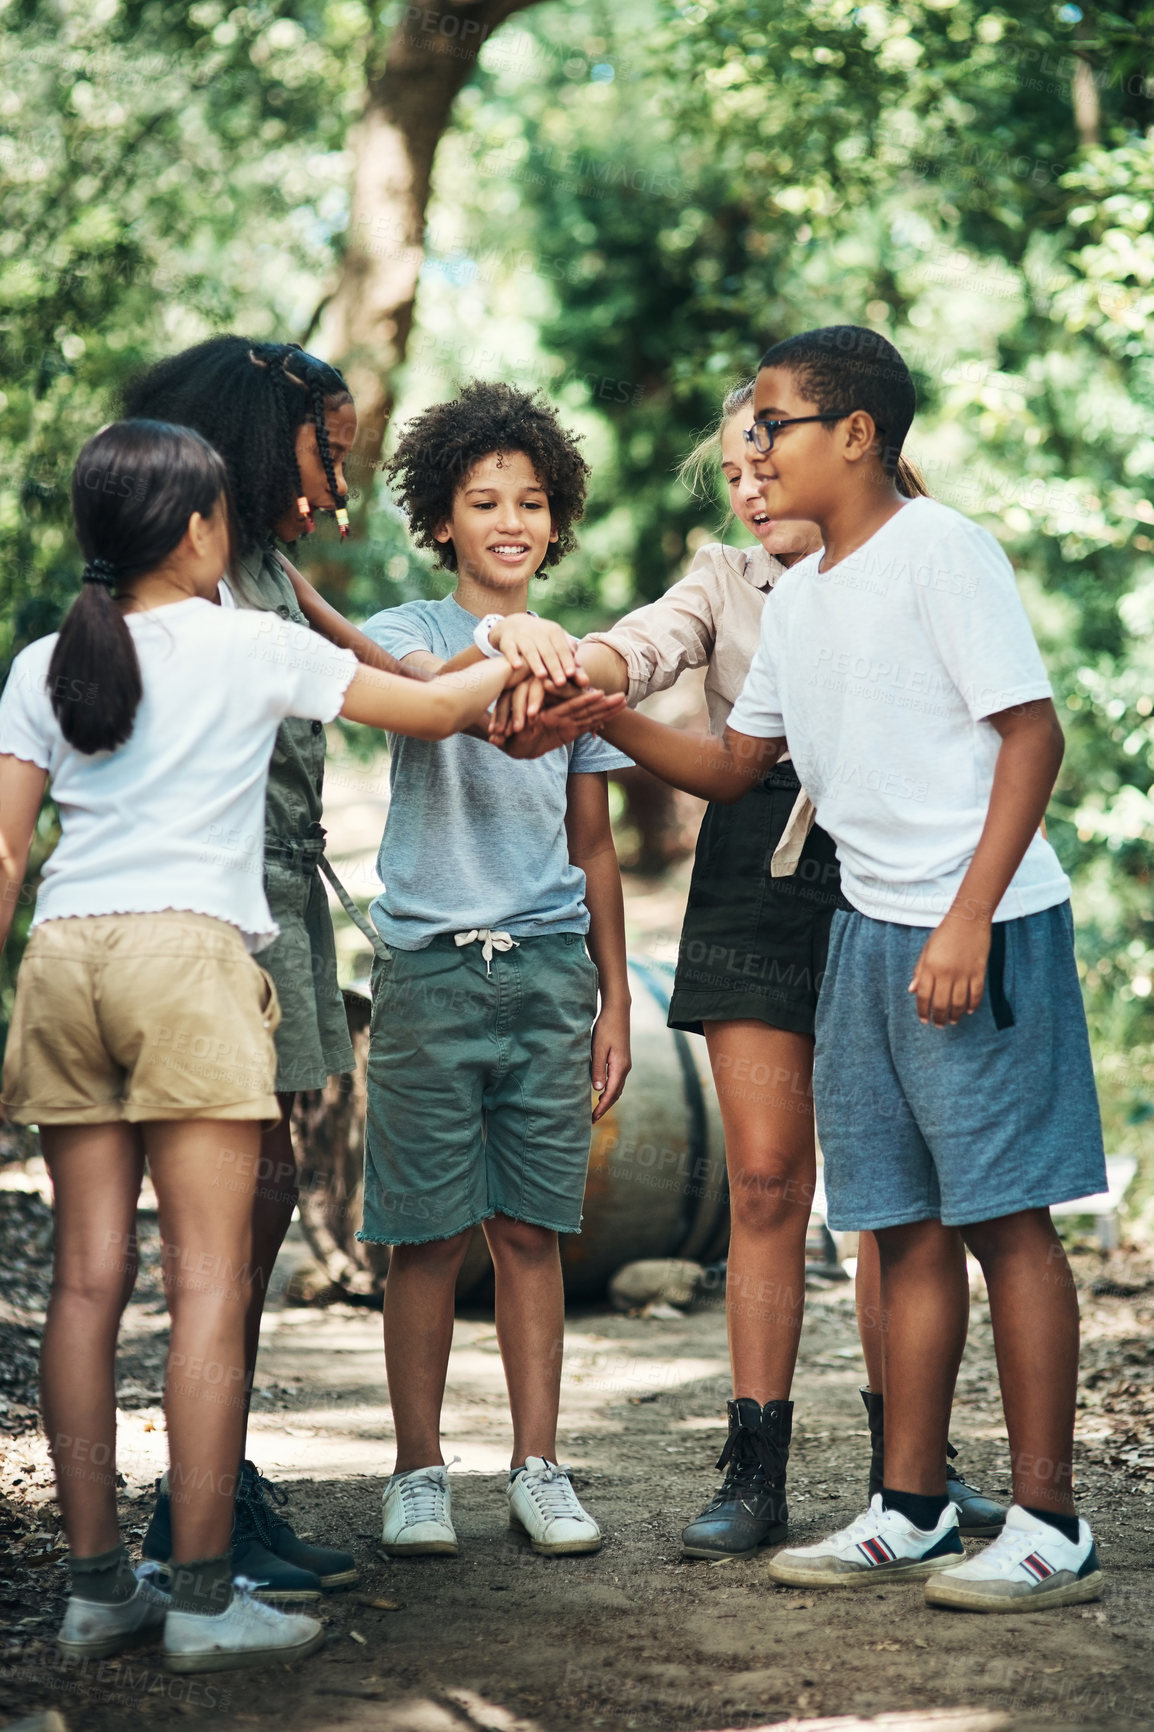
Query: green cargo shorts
[[312, 1042], [479, 1094]]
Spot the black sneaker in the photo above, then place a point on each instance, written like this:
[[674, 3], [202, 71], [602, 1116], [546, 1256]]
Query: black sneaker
[[333, 1569], [978, 1517], [275, 1580], [750, 1509]]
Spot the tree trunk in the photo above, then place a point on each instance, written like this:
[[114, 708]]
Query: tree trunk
[[411, 85]]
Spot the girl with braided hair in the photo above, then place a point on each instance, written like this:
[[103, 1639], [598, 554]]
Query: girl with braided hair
[[284, 422]]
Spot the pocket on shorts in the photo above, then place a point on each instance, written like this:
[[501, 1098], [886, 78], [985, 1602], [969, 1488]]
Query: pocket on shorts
[[269, 1002]]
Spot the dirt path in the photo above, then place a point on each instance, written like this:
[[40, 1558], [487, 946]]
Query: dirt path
[[502, 1640]]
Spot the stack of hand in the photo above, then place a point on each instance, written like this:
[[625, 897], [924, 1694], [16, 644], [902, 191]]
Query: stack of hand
[[550, 702]]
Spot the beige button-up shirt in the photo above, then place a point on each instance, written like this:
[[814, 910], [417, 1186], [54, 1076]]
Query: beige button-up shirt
[[711, 618]]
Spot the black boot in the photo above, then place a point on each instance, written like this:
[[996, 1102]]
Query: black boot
[[258, 1507], [978, 1516], [750, 1509], [873, 1407]]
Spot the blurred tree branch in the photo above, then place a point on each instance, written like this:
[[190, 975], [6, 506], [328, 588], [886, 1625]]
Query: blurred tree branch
[[412, 81]]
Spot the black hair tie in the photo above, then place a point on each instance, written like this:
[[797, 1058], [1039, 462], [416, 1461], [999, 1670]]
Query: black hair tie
[[99, 571]]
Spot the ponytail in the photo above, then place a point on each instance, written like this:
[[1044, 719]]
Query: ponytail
[[909, 481], [94, 674], [135, 486]]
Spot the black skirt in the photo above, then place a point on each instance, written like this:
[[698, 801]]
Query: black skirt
[[753, 945]]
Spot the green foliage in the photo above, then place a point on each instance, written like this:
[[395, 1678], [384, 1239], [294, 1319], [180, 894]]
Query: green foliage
[[697, 180], [633, 202]]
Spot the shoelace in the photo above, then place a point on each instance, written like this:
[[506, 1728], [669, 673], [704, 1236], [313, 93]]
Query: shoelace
[[863, 1526], [1009, 1551], [245, 1589], [423, 1498], [552, 1492], [256, 1490], [252, 1517], [488, 940], [751, 1455]]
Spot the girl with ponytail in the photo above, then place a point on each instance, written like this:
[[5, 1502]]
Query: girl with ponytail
[[142, 1024]]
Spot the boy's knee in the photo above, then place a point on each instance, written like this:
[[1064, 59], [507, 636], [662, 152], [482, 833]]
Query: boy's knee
[[520, 1239]]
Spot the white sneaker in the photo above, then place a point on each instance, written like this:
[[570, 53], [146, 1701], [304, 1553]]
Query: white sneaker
[[417, 1514], [880, 1546], [246, 1633], [1028, 1567], [92, 1629], [543, 1504]]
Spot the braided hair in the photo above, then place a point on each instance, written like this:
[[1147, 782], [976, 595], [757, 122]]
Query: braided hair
[[248, 400]]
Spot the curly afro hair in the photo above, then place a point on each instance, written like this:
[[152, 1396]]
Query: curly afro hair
[[439, 448], [248, 400]]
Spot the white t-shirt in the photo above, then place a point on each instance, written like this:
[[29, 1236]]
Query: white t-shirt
[[174, 819], [880, 673]]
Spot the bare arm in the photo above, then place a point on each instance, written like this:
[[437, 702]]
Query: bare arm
[[714, 769], [429, 711], [591, 848], [21, 791], [950, 976], [333, 625]]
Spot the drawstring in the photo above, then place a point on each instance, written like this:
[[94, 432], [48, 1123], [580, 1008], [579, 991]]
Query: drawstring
[[489, 941], [380, 948]]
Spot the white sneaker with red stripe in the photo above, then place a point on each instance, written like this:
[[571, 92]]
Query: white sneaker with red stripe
[[1029, 1567], [880, 1546]]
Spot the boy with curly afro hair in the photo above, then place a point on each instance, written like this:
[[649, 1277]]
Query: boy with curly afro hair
[[502, 916]]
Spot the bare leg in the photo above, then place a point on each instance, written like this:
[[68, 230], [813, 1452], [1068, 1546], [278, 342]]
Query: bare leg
[[96, 1172], [206, 1228], [868, 1300], [763, 1078], [419, 1296], [1034, 1313], [925, 1301], [530, 1313], [274, 1199]]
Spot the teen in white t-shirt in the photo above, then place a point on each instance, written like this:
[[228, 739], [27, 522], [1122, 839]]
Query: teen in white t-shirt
[[953, 1082], [141, 1023], [889, 666]]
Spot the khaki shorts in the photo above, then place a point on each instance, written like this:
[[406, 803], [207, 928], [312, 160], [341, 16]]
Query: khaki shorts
[[138, 1017]]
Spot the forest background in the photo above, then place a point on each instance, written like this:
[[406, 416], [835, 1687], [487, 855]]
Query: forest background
[[623, 205]]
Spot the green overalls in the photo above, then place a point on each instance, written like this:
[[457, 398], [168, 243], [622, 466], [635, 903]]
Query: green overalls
[[312, 1042]]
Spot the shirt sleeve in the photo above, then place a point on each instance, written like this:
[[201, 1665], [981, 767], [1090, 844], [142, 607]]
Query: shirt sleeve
[[305, 674], [400, 630], [28, 727], [659, 641], [972, 610], [757, 711], [590, 752]]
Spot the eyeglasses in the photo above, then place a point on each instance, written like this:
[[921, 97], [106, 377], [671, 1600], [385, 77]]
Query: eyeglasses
[[763, 433]]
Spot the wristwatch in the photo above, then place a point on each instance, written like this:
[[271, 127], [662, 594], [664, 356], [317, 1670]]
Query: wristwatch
[[481, 634]]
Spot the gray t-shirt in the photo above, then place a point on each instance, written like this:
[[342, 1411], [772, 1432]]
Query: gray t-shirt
[[474, 838]]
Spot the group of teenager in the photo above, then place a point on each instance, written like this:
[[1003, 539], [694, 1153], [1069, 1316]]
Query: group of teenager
[[875, 924]]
